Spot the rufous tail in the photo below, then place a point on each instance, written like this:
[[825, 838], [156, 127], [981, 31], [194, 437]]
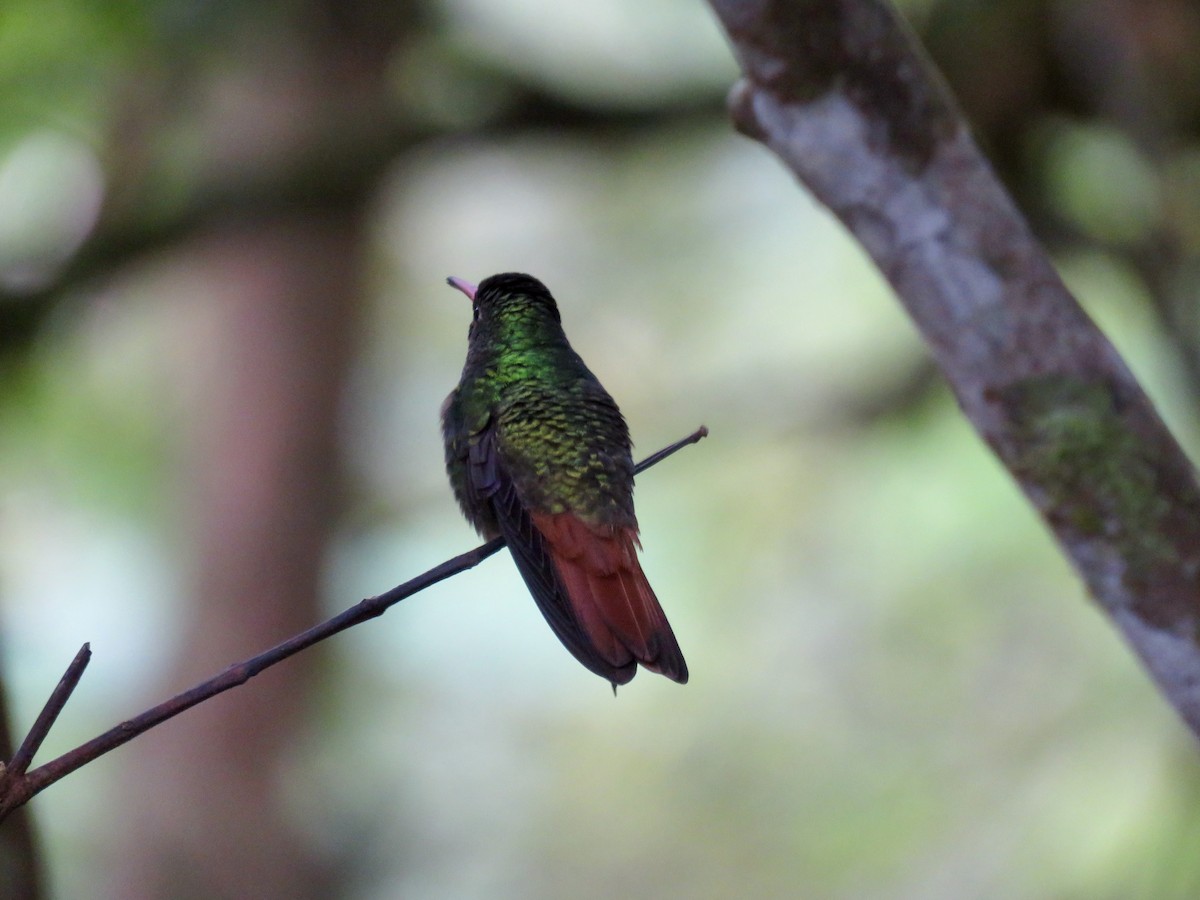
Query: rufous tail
[[609, 595]]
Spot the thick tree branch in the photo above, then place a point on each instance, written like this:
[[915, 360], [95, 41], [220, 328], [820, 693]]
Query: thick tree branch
[[17, 787], [841, 92]]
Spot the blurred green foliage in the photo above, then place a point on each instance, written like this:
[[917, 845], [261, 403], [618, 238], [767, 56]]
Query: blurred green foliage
[[899, 689]]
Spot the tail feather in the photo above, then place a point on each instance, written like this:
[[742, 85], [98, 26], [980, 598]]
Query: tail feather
[[609, 594]]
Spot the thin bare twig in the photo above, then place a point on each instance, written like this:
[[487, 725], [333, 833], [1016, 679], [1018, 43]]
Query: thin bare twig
[[50, 712], [17, 787]]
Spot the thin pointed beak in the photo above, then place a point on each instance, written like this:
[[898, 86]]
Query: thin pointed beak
[[463, 285]]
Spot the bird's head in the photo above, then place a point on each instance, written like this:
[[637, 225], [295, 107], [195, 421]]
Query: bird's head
[[511, 311], [508, 295]]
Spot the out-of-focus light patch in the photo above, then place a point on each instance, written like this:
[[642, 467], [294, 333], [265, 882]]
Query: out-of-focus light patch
[[477, 636], [626, 52], [393, 433], [611, 230], [1061, 791], [473, 211], [1096, 177], [70, 577], [51, 189]]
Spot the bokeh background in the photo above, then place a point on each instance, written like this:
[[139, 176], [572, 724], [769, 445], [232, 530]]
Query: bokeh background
[[224, 341]]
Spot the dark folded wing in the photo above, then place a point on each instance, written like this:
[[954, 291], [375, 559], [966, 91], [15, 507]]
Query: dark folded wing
[[534, 561]]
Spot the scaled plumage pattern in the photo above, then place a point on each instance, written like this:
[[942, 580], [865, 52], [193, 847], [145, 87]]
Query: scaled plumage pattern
[[538, 452]]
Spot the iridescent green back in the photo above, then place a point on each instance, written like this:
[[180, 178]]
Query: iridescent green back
[[558, 433]]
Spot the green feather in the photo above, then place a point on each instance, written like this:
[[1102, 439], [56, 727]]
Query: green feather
[[560, 436]]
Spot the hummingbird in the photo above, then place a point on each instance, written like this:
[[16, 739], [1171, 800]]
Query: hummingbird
[[538, 452]]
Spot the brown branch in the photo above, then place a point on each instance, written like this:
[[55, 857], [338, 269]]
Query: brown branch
[[841, 92], [17, 787], [49, 714], [22, 857]]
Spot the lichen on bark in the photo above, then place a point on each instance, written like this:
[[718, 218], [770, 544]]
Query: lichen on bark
[[1087, 468]]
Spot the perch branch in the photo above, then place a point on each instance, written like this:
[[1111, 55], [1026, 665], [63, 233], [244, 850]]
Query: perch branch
[[842, 93], [18, 787]]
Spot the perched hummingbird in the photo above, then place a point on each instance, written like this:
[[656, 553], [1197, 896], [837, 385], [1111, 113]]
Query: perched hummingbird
[[538, 452]]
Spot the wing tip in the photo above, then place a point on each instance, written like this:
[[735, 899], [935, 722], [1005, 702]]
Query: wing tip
[[676, 671], [670, 665]]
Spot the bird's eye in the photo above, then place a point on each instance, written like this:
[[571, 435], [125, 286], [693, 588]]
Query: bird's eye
[[475, 312]]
